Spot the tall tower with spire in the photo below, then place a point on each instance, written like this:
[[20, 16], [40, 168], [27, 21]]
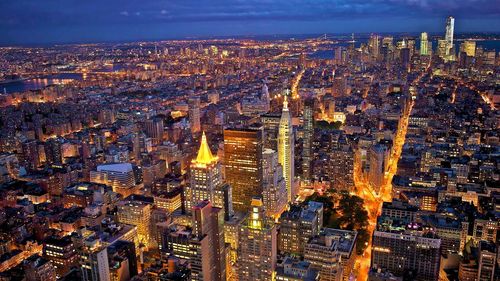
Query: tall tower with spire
[[205, 179], [286, 149]]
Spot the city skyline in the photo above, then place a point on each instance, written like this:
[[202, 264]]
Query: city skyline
[[33, 22]]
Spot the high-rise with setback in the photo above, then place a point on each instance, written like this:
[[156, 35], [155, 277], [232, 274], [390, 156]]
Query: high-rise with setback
[[243, 165], [286, 149]]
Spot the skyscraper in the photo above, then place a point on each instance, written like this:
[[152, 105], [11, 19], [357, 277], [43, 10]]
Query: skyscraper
[[209, 257], [154, 129], [194, 114], [424, 44], [243, 165], [286, 149], [206, 177], [274, 192], [450, 26], [374, 45], [257, 245], [308, 137]]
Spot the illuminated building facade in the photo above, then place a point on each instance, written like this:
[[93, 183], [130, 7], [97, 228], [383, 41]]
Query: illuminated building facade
[[136, 213], [286, 148], [274, 192], [257, 246], [243, 165], [424, 44], [308, 129], [450, 27], [209, 257], [205, 176]]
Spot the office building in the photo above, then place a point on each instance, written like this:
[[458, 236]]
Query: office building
[[377, 155], [487, 262], [298, 225], [243, 165], [424, 44], [208, 262], [61, 252], [257, 245], [94, 264], [292, 269], [450, 26], [205, 177], [137, 213], [120, 176], [274, 193], [37, 268], [286, 148], [322, 252], [154, 129], [308, 132], [402, 247], [194, 114]]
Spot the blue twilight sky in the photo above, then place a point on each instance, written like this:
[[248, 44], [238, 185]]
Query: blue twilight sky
[[57, 21]]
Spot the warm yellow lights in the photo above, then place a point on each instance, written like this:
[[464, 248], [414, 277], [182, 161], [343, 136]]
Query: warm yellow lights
[[204, 156]]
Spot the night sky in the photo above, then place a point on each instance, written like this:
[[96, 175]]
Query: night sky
[[59, 21]]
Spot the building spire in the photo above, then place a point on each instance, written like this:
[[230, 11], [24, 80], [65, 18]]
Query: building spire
[[204, 154], [285, 102]]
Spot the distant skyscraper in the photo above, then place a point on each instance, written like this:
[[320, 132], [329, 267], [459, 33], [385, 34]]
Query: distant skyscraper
[[450, 26], [424, 44], [264, 97], [207, 244], [243, 165], [286, 149], [194, 114], [257, 245], [374, 45], [308, 137], [469, 47]]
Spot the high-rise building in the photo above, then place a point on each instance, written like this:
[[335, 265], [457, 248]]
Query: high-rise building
[[286, 148], [424, 44], [205, 177], [450, 26], [487, 253], [322, 252], [94, 263], [61, 252], [257, 245], [378, 160], [243, 165], [374, 45], [342, 168], [194, 114], [401, 248], [308, 131], [469, 47], [297, 226], [37, 268], [209, 257], [30, 155], [137, 213], [154, 129], [271, 124], [274, 192]]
